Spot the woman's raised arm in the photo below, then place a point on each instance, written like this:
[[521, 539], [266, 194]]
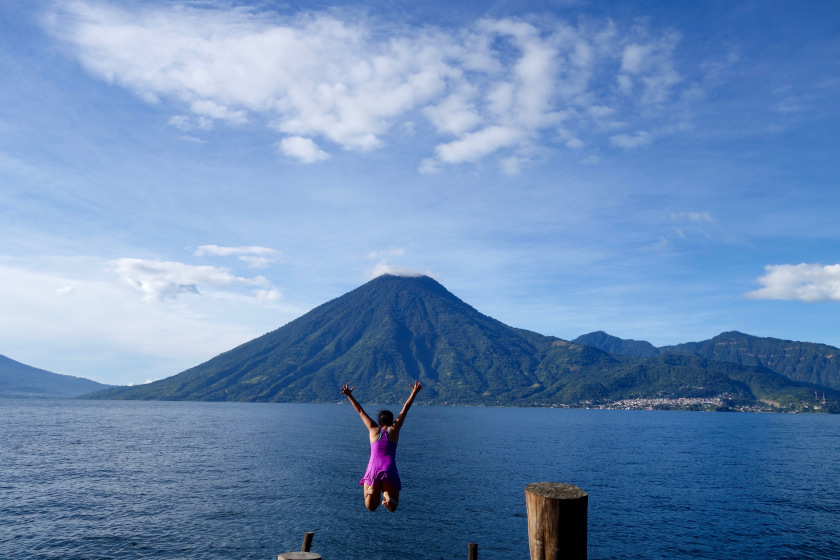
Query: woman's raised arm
[[415, 388], [347, 391]]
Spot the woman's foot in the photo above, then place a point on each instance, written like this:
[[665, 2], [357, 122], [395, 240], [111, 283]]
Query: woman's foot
[[390, 504]]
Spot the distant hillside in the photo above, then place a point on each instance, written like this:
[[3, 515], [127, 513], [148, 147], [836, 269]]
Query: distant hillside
[[615, 345], [800, 361], [382, 335], [21, 380], [806, 362]]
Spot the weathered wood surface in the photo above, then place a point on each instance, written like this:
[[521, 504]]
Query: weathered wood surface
[[556, 521], [299, 556], [473, 550]]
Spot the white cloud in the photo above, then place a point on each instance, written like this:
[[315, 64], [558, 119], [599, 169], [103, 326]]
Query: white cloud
[[634, 57], [625, 84], [600, 111], [256, 261], [302, 149], [495, 85], [253, 256], [181, 122], [801, 282], [627, 142], [511, 165], [213, 110], [429, 166], [192, 139], [475, 145], [220, 251], [267, 296], [384, 268], [652, 65], [66, 291], [575, 143], [455, 114], [160, 280]]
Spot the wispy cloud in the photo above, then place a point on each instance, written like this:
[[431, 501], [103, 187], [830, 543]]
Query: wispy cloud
[[493, 87], [475, 145], [629, 142], [17, 166], [649, 67], [384, 268], [161, 280], [694, 225], [799, 282], [302, 149], [694, 217], [253, 256]]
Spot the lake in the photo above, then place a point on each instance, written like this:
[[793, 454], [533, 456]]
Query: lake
[[180, 480]]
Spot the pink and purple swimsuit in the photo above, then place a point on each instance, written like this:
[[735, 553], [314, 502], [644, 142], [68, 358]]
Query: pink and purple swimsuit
[[382, 466]]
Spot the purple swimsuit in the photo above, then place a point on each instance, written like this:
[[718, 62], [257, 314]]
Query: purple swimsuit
[[382, 466]]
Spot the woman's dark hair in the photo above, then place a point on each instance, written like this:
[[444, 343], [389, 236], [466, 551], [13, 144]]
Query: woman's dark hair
[[385, 418]]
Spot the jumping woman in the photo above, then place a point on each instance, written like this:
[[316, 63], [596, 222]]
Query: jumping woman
[[381, 479]]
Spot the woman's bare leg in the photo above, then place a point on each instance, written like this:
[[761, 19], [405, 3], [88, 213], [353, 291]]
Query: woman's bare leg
[[390, 497], [372, 494]]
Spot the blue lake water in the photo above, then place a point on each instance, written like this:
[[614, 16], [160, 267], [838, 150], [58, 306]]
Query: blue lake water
[[98, 479]]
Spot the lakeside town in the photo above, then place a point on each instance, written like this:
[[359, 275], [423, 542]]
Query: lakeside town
[[713, 404]]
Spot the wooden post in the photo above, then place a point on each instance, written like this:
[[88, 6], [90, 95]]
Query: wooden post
[[307, 542], [556, 521], [473, 550]]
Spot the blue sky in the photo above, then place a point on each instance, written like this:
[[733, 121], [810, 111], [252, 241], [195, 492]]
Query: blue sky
[[177, 178]]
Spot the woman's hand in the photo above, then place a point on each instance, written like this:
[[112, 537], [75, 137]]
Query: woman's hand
[[347, 390], [415, 387]]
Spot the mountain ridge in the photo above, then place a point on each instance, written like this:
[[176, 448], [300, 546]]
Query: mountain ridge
[[807, 362], [615, 345], [392, 330], [21, 380]]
